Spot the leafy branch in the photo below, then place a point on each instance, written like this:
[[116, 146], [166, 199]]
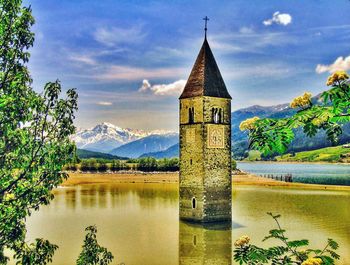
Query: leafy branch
[[92, 253], [288, 253], [34, 137], [271, 136]]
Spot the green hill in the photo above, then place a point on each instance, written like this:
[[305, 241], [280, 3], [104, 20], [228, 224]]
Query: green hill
[[328, 154], [83, 154]]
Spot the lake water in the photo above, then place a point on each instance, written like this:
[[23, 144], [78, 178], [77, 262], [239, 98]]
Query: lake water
[[139, 222], [337, 174]]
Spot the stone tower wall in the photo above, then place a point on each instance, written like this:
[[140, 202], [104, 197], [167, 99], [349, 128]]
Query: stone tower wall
[[191, 159], [205, 170], [217, 164]]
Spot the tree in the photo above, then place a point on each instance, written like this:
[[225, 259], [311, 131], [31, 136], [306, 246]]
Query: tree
[[102, 166], [34, 137], [168, 164], [92, 253], [147, 164], [116, 165], [233, 164], [274, 135]]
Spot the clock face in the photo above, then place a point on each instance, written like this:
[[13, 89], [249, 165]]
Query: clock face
[[216, 136]]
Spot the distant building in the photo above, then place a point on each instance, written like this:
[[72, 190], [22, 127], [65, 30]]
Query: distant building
[[205, 143]]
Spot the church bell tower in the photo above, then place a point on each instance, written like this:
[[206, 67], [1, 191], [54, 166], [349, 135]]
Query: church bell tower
[[205, 143]]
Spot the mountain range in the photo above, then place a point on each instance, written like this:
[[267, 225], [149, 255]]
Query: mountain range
[[149, 144], [108, 138]]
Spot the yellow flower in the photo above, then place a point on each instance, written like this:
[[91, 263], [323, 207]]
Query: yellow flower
[[9, 197], [317, 121], [243, 240], [337, 76], [248, 124], [301, 101], [302, 251], [312, 261]]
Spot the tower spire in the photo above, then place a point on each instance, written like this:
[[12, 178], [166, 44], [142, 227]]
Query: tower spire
[[205, 78], [205, 28]]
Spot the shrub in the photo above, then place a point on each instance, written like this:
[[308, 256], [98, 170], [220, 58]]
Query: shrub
[[102, 167], [289, 252], [92, 253]]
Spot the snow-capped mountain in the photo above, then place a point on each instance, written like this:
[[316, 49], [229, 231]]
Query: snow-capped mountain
[[105, 137]]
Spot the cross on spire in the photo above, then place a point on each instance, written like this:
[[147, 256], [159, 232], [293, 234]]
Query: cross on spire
[[205, 28]]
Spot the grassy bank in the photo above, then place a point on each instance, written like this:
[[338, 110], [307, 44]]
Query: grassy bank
[[336, 154]]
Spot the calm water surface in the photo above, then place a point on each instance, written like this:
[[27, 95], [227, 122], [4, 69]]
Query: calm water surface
[[139, 222], [306, 173]]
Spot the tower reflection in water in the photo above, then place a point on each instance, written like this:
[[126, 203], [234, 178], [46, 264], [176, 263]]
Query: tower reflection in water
[[205, 244]]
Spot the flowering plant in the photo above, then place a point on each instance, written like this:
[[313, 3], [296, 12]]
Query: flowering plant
[[303, 101], [248, 124], [288, 253], [273, 135]]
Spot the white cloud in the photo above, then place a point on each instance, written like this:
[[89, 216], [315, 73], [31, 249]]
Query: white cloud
[[83, 59], [120, 72], [104, 103], [278, 18], [253, 42], [246, 30], [340, 63], [113, 36], [145, 85], [225, 46], [271, 70], [174, 88]]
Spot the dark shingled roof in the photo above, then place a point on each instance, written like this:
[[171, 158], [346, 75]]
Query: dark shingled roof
[[205, 78]]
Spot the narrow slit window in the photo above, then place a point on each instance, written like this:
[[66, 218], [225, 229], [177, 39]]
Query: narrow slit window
[[213, 114], [216, 115], [194, 203], [191, 115]]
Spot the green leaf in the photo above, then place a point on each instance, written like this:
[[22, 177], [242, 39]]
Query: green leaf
[[333, 254], [298, 243], [333, 244], [326, 260]]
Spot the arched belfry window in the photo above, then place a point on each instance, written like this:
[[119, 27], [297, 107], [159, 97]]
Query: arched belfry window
[[191, 115], [193, 203], [217, 115]]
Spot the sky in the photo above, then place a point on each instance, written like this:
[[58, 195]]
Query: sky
[[129, 60]]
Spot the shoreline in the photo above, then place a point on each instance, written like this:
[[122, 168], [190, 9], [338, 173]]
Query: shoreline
[[242, 179]]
